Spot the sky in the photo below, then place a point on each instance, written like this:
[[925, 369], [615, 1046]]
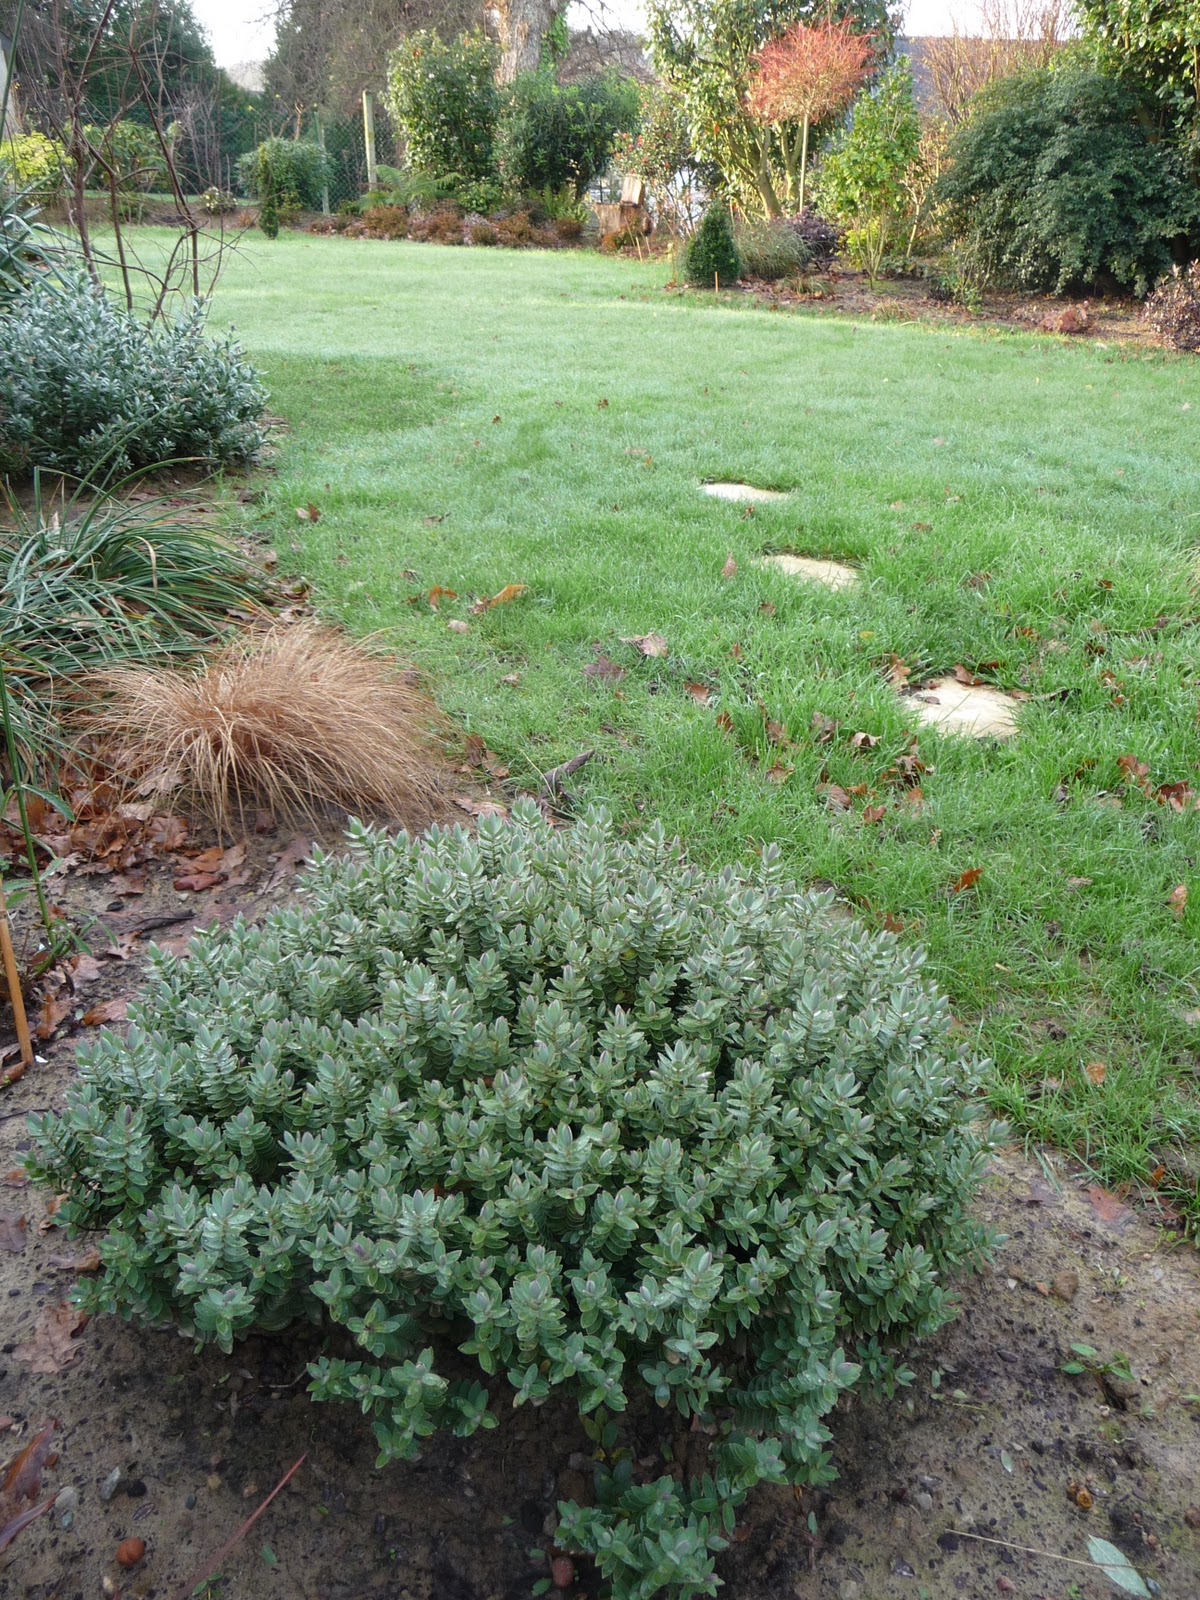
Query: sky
[[240, 30]]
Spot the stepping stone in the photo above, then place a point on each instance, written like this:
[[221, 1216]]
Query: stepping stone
[[831, 573], [979, 711], [741, 492]]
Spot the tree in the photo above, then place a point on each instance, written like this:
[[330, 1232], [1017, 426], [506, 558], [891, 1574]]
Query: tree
[[864, 182], [1014, 36], [704, 52], [525, 26], [1154, 44], [802, 77], [443, 98]]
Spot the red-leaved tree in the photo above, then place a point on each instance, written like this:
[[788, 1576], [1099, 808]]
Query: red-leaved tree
[[803, 76]]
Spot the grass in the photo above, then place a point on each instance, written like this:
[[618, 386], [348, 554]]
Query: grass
[[479, 418]]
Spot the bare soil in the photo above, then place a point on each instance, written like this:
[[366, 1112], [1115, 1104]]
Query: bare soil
[[991, 1439]]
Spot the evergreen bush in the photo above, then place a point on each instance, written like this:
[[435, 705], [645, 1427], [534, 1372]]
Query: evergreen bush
[[560, 135], [712, 252], [86, 386], [443, 99], [288, 171], [1056, 182], [608, 1123]]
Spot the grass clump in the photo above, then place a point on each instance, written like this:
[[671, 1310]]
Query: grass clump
[[610, 1124], [94, 582], [771, 247], [295, 719]]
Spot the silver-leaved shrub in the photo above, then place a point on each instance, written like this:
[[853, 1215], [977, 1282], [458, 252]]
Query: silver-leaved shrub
[[629, 1128]]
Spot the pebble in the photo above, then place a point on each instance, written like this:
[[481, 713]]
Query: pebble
[[130, 1552], [109, 1487], [849, 1590], [562, 1572], [213, 1480], [1192, 1517], [923, 1500], [66, 1499], [190, 1502], [1064, 1285]]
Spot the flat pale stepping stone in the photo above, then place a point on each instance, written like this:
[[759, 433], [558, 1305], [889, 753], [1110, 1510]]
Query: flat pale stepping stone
[[831, 573], [978, 711], [742, 492]]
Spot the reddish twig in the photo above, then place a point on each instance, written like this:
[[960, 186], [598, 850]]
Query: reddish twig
[[190, 1587]]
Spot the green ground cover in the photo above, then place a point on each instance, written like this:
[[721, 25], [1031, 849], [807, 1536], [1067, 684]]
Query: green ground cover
[[1019, 506]]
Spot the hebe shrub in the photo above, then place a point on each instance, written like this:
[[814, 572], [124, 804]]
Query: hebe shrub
[[712, 253], [607, 1123], [289, 171], [86, 385]]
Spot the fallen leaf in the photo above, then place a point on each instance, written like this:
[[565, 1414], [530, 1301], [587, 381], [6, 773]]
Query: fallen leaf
[[777, 772], [776, 732], [107, 1011], [511, 679], [23, 1483], [89, 1261], [457, 625], [650, 644], [735, 650], [53, 1010], [54, 1346], [308, 513], [217, 859], [966, 880], [438, 593], [1106, 1206], [1096, 1072], [725, 723], [602, 667], [873, 814], [822, 727], [767, 608], [1133, 770], [701, 693], [509, 592], [898, 672], [13, 1232], [479, 808], [1117, 1567], [197, 882], [978, 580], [730, 567], [967, 678], [552, 781], [297, 850], [863, 741], [1177, 900], [835, 796]]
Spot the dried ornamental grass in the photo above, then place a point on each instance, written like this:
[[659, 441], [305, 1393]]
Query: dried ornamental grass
[[294, 719]]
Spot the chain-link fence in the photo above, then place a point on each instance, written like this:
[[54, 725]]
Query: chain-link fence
[[346, 149]]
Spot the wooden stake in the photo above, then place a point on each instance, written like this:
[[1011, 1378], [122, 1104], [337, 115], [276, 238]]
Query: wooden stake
[[14, 985]]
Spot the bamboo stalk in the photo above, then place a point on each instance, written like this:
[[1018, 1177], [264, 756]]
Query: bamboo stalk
[[14, 984]]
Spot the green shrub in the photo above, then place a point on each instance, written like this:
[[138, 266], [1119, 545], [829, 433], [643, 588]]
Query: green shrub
[[865, 181], [481, 195], [771, 248], [129, 155], [34, 163], [610, 1124], [84, 384], [554, 135], [1055, 183], [444, 101], [712, 253], [1172, 309], [295, 171]]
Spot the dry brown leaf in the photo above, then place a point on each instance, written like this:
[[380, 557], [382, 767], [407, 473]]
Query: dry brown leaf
[[650, 644], [966, 677], [438, 593], [822, 727], [863, 741], [873, 814], [767, 608], [730, 567], [13, 1232], [966, 880], [778, 772], [89, 1261], [1095, 1072], [54, 1346], [107, 1011], [308, 513], [836, 797], [898, 672], [602, 667], [23, 1483], [725, 722], [1106, 1206], [1177, 900], [479, 808], [701, 693], [53, 1010], [509, 592], [776, 732], [296, 851]]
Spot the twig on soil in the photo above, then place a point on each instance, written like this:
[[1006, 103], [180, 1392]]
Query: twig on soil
[[1026, 1549], [13, 979], [190, 1587], [27, 1111]]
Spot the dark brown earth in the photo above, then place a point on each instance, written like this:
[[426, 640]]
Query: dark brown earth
[[991, 1439]]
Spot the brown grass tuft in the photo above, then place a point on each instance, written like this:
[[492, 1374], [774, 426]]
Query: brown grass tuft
[[295, 720]]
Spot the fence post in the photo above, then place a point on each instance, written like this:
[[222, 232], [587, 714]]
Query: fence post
[[325, 184], [369, 134]]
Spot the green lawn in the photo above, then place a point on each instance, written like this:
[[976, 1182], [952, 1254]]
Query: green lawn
[[479, 418]]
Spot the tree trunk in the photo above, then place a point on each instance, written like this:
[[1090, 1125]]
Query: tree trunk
[[524, 25]]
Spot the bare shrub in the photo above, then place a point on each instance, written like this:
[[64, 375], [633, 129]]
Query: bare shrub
[[1014, 36], [1172, 308], [293, 719]]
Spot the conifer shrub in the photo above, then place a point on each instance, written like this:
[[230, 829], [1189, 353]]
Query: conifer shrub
[[712, 252], [614, 1126]]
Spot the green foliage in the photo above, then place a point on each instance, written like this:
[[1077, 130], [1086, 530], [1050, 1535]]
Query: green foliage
[[128, 155], [1054, 182], [86, 385], [608, 1123], [1155, 46], [771, 247], [658, 149], [863, 183], [34, 163], [29, 250], [92, 583], [292, 171], [482, 195], [557, 134], [1172, 308], [703, 50], [443, 98], [712, 253]]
